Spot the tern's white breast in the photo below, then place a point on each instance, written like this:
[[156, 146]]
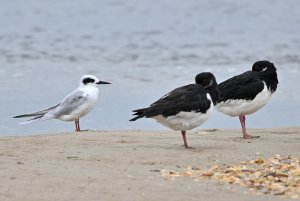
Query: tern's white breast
[[245, 107]]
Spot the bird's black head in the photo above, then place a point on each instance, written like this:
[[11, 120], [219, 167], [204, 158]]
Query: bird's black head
[[88, 80], [206, 79], [261, 66], [266, 72]]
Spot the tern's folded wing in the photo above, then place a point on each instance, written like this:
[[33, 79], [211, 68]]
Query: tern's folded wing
[[72, 102]]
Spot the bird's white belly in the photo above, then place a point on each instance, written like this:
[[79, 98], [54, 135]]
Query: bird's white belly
[[245, 107], [80, 112], [184, 120]]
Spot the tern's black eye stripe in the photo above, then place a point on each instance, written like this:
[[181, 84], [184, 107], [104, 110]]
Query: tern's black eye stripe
[[88, 80]]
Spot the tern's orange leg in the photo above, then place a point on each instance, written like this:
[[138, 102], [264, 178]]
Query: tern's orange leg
[[77, 127]]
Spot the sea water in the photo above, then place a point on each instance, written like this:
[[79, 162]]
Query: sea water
[[145, 49]]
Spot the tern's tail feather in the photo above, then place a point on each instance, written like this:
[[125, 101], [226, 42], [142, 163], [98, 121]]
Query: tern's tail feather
[[38, 118], [38, 114]]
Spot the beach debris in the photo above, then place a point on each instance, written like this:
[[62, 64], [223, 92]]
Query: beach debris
[[278, 175], [72, 157]]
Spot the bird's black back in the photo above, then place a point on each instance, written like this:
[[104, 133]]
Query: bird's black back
[[247, 85], [192, 97]]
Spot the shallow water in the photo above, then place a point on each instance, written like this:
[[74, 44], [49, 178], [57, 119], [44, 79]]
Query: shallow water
[[144, 50]]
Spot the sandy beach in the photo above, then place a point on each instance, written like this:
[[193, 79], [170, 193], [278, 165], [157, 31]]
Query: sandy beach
[[126, 165]]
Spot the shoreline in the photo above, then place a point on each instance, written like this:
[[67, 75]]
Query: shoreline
[[163, 129], [126, 165]]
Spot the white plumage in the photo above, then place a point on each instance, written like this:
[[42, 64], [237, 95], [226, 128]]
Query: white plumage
[[74, 106], [183, 121], [241, 106]]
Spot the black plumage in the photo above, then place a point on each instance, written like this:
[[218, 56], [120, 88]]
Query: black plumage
[[246, 93], [190, 98], [187, 98], [247, 85]]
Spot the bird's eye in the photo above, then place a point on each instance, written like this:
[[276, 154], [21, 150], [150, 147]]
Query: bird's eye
[[261, 68], [207, 79], [264, 68], [257, 68]]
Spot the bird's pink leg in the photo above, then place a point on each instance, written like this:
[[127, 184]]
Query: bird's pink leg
[[184, 140], [243, 124]]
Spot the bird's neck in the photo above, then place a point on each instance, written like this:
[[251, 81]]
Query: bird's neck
[[270, 78], [91, 90], [214, 93]]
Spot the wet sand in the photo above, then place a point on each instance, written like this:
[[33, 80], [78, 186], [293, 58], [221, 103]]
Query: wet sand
[[126, 165]]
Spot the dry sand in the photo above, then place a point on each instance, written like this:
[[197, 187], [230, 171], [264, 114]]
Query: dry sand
[[125, 165]]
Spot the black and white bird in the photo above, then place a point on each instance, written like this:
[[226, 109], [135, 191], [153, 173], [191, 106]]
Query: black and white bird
[[186, 107], [246, 93], [74, 106]]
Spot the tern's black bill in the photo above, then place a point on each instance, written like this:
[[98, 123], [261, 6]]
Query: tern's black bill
[[102, 82]]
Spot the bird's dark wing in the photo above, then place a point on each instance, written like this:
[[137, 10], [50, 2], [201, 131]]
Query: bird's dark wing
[[243, 86], [188, 98]]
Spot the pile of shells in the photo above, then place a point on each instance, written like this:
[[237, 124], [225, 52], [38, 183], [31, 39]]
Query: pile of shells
[[277, 175]]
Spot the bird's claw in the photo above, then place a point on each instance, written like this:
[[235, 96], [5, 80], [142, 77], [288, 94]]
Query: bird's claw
[[246, 136]]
